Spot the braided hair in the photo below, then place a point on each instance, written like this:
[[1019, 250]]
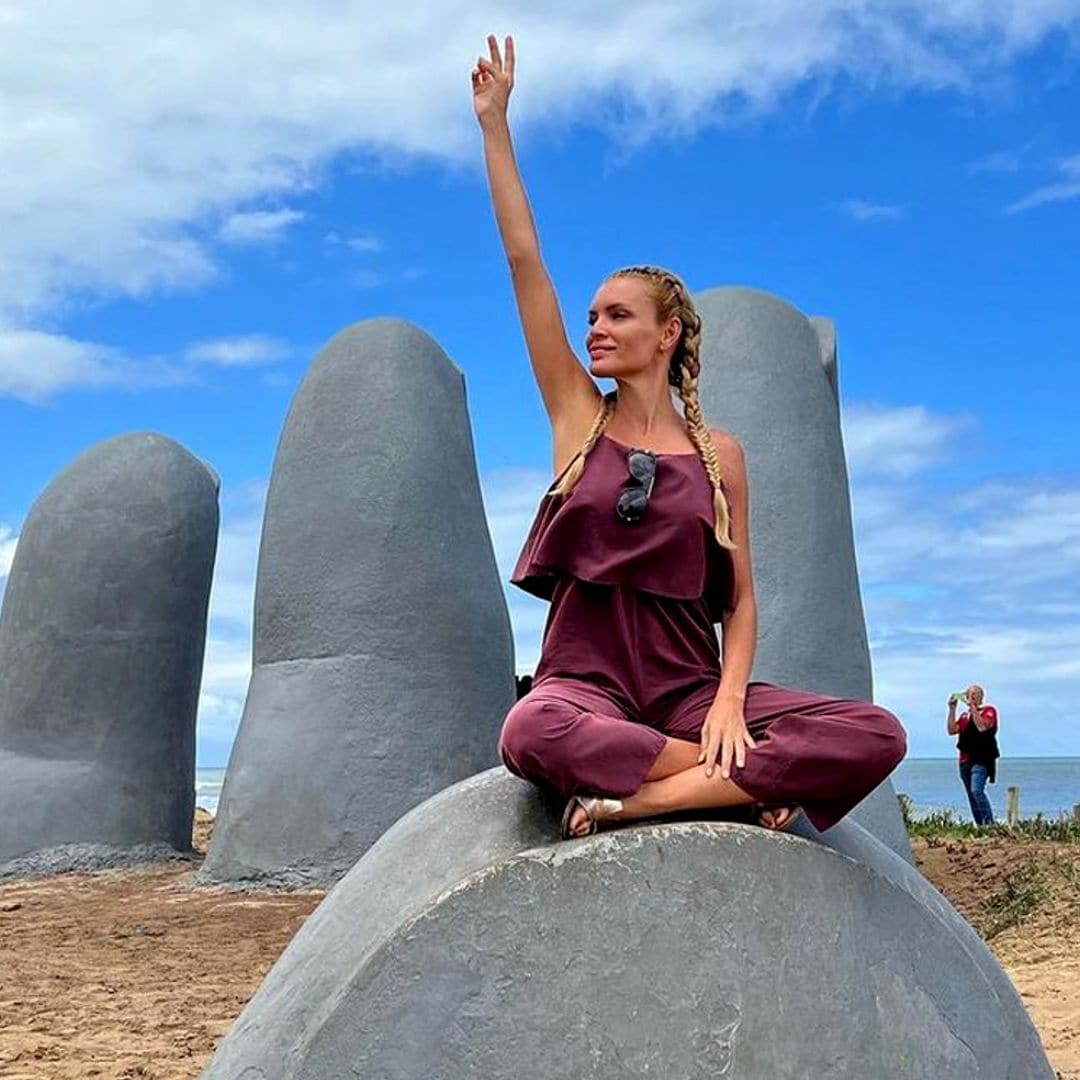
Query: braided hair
[[672, 299]]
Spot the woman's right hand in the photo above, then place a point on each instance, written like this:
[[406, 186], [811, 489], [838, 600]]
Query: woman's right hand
[[492, 81]]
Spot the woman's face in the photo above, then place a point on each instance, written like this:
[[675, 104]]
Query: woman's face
[[624, 336]]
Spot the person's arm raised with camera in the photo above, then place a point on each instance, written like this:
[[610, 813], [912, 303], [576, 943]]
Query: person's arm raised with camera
[[571, 398]]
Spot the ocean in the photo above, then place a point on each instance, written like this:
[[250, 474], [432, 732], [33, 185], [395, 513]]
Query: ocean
[[1048, 786]]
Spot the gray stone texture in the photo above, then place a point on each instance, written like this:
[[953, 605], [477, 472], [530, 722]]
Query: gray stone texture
[[769, 376], [383, 649], [466, 943], [102, 636]]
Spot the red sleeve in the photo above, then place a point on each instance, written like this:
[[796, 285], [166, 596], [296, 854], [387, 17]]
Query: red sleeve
[[961, 722], [989, 716]]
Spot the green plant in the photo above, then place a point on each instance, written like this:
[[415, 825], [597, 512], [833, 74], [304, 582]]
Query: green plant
[[1023, 891], [944, 824]]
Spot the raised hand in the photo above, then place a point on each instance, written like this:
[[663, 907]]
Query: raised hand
[[492, 81]]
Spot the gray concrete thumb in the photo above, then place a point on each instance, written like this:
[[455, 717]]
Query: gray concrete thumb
[[102, 636], [466, 943]]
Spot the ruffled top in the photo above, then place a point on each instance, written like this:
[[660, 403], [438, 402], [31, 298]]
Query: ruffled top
[[672, 551]]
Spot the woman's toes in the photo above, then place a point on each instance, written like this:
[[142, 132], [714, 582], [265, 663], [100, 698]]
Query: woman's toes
[[776, 817]]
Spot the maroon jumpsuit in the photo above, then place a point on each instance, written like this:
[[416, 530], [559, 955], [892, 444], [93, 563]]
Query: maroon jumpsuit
[[630, 654]]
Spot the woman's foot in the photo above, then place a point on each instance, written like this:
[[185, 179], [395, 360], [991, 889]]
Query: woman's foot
[[585, 814], [776, 818]]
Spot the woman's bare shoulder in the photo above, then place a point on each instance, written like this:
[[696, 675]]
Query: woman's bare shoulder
[[729, 453], [727, 445]]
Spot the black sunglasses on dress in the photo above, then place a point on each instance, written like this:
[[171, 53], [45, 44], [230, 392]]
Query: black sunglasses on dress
[[634, 497]]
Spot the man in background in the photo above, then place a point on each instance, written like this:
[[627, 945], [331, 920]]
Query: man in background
[[976, 731]]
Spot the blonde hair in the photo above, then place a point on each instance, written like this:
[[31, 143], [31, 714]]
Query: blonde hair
[[672, 299]]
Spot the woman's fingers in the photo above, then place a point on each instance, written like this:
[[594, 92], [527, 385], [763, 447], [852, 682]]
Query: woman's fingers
[[510, 57], [493, 48], [745, 742], [712, 748], [726, 755], [740, 753], [712, 755]]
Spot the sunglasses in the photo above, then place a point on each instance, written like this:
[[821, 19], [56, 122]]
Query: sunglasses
[[634, 497]]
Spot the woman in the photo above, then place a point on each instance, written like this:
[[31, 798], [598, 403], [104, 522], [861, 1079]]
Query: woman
[[641, 544]]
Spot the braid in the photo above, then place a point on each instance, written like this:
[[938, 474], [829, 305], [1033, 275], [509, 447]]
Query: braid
[[673, 298]]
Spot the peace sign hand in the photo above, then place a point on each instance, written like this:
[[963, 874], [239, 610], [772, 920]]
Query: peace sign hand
[[492, 81]]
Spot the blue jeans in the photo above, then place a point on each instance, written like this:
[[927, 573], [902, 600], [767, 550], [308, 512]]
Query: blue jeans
[[974, 778]]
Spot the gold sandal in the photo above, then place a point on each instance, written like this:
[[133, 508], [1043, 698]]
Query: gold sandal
[[589, 804]]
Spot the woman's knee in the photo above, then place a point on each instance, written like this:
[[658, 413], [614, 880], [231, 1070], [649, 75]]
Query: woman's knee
[[893, 744], [523, 733]]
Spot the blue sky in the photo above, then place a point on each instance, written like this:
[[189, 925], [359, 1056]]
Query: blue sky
[[185, 218]]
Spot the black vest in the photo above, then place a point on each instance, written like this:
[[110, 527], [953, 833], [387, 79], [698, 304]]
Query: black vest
[[980, 746]]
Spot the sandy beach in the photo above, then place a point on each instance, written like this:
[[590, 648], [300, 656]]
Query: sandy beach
[[136, 974]]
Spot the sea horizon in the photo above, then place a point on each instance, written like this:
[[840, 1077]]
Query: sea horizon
[[1049, 786]]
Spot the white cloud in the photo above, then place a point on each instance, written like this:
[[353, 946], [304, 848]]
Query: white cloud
[[362, 244], [227, 665], [1067, 187], [1000, 161], [8, 540], [368, 279], [226, 671], [867, 211], [258, 227], [892, 441], [255, 111], [244, 351], [232, 595], [35, 366], [511, 497]]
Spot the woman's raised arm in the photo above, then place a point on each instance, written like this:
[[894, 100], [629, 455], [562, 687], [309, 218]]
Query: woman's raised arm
[[570, 395]]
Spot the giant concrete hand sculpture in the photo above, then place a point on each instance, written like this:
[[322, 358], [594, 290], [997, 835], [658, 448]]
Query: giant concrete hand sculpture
[[769, 375], [383, 651], [466, 944], [101, 651]]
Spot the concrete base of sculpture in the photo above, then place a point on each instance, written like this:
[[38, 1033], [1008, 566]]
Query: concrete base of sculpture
[[89, 803], [466, 943]]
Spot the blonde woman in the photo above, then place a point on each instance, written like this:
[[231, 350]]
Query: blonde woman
[[641, 545]]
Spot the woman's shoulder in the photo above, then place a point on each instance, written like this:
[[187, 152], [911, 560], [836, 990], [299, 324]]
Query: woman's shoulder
[[730, 455], [725, 442]]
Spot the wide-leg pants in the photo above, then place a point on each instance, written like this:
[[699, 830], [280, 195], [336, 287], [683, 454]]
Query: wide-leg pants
[[822, 753]]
